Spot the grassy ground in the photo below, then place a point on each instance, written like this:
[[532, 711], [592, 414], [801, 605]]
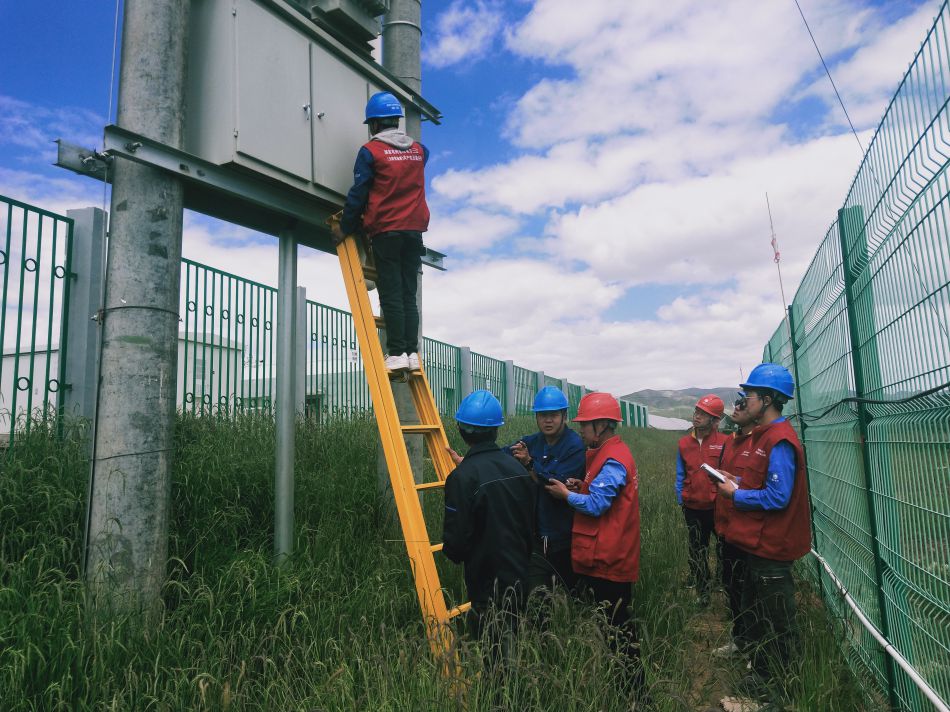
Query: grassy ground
[[339, 628]]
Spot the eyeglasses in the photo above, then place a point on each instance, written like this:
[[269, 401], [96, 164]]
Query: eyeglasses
[[739, 404]]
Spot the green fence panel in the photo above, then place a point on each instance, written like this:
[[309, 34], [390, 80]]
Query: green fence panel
[[226, 356], [574, 395], [35, 250], [444, 373], [871, 319], [489, 373], [526, 387], [335, 377]]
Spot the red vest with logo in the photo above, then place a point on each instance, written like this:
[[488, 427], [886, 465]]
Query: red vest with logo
[[699, 490], [608, 546], [780, 535], [397, 198], [735, 461]]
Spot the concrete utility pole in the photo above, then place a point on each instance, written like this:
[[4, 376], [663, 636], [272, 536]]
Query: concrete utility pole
[[402, 41], [128, 519]]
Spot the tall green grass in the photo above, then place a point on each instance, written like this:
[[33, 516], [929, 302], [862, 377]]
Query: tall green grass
[[338, 628]]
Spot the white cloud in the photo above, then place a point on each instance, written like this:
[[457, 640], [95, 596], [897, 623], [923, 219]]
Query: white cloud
[[468, 230], [868, 78], [32, 128], [578, 171], [464, 32], [645, 66], [650, 159], [708, 228]]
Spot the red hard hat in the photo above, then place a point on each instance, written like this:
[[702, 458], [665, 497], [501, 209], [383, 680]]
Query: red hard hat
[[711, 404], [598, 406]]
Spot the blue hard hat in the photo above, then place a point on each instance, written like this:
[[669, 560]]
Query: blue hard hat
[[771, 375], [480, 408], [549, 398], [383, 106]]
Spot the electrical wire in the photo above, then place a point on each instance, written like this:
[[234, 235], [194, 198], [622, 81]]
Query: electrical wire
[[830, 79], [808, 417], [102, 296]]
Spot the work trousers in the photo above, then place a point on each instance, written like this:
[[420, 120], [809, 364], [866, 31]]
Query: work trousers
[[621, 632], [732, 569], [494, 623], [550, 565], [768, 628], [699, 528], [398, 259]]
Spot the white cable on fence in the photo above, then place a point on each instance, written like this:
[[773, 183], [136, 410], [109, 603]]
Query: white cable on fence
[[912, 673]]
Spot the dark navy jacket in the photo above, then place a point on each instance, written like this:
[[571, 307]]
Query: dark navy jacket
[[489, 513], [566, 458]]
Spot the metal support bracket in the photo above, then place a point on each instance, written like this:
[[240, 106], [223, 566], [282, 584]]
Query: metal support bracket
[[224, 192]]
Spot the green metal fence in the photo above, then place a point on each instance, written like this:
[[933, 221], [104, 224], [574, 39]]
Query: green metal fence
[[444, 373], [526, 386], [227, 343], [870, 323], [335, 380], [489, 373], [34, 294], [227, 356]]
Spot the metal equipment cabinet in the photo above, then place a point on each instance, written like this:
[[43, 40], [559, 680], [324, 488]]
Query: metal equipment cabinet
[[270, 92]]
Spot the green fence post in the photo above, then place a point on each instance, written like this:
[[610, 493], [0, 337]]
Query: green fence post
[[851, 232], [793, 320]]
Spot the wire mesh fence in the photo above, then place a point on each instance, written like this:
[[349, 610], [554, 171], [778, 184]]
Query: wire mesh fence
[[867, 338]]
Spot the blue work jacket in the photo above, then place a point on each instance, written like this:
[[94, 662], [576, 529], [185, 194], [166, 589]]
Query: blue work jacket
[[564, 459]]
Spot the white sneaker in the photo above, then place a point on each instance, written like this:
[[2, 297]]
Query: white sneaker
[[397, 363], [728, 650], [413, 361]]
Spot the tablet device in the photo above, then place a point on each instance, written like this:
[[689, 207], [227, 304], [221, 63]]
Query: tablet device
[[714, 473]]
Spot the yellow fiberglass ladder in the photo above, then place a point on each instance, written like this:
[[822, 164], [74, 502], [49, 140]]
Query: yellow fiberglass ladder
[[405, 489]]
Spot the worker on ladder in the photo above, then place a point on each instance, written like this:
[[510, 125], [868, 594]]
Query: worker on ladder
[[489, 518], [555, 451], [387, 203]]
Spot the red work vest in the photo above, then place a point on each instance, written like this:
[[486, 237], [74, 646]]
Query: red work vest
[[608, 546], [397, 198], [735, 461], [782, 535], [699, 490]]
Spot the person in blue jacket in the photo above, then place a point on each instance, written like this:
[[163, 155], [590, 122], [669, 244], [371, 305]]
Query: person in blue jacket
[[557, 452]]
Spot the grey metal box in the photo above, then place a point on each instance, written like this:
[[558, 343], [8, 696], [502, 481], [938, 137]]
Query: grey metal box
[[358, 18], [274, 94]]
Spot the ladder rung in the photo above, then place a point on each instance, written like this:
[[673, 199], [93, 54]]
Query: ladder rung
[[420, 428], [370, 273], [459, 610], [436, 547], [380, 322], [430, 485]]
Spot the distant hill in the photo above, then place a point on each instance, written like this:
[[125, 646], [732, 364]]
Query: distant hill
[[679, 404]]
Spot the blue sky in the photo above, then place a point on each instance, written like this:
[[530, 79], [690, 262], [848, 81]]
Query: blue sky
[[598, 181]]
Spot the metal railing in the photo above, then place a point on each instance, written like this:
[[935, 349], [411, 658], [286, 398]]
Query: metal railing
[[227, 358], [869, 323], [226, 346], [35, 252]]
